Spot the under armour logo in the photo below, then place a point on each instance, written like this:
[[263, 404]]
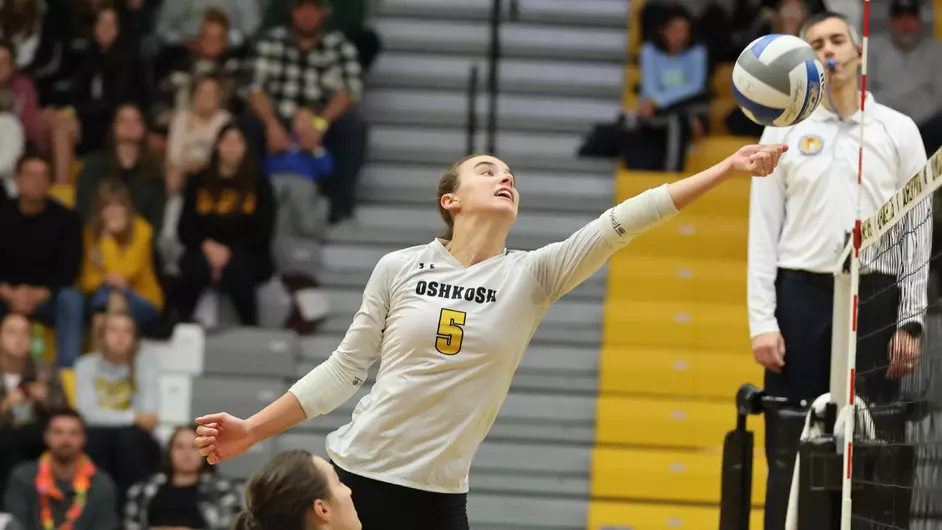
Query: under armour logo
[[430, 265]]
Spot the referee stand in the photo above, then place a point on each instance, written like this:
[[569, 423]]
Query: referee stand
[[816, 498], [738, 451]]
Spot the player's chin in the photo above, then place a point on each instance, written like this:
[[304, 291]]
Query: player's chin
[[503, 204], [505, 209]]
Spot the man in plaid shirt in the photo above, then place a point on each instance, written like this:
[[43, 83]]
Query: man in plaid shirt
[[303, 84]]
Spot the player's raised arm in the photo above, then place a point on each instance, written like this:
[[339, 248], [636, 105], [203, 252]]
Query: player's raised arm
[[327, 386], [562, 266]]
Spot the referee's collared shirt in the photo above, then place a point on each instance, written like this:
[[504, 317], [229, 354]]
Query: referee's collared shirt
[[800, 214]]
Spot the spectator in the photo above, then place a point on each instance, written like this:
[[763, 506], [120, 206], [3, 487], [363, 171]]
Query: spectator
[[25, 102], [673, 100], [73, 24], [118, 395], [118, 272], [128, 160], [21, 22], [193, 132], [347, 17], [906, 69], [226, 227], [41, 245], [306, 81], [178, 66], [186, 494], [179, 21], [63, 489], [12, 141], [107, 77], [29, 389]]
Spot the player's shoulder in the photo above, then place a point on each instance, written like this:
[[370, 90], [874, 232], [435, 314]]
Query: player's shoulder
[[513, 256], [396, 260]]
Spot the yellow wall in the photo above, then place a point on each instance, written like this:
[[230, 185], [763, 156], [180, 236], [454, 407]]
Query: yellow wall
[[675, 350]]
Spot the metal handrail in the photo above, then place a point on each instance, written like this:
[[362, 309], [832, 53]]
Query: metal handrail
[[471, 122], [494, 56]]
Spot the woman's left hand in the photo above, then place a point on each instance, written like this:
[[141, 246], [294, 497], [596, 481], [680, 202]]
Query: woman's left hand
[[759, 160], [114, 279]]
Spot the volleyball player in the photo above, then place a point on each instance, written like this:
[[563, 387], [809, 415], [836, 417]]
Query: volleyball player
[[451, 320], [799, 217], [297, 491]]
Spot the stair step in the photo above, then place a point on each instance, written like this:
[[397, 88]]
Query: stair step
[[515, 112], [539, 190], [521, 150], [595, 13], [517, 39], [515, 76]]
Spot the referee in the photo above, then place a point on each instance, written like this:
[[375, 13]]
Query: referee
[[799, 217]]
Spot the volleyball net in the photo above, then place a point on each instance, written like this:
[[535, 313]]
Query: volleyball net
[[892, 362]]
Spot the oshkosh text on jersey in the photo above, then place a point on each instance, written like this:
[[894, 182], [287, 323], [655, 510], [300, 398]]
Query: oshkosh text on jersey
[[481, 295]]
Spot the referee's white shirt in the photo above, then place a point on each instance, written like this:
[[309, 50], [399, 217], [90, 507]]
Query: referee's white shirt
[[450, 339], [799, 214]]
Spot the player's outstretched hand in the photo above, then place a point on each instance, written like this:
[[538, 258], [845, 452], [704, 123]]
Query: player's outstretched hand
[[759, 160], [222, 436]]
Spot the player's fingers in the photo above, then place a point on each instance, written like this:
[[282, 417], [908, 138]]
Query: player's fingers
[[761, 161], [774, 155], [205, 430], [204, 441], [208, 450], [219, 417]]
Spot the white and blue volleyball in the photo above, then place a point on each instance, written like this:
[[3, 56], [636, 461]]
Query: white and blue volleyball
[[778, 80]]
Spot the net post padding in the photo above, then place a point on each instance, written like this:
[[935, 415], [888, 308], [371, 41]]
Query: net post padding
[[920, 187]]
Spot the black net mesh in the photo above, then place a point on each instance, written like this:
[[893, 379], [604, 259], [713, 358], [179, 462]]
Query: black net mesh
[[897, 472]]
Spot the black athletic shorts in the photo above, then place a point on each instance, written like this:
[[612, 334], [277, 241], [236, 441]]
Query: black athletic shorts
[[384, 506]]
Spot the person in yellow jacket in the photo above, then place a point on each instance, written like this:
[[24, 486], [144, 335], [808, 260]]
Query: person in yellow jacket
[[118, 269]]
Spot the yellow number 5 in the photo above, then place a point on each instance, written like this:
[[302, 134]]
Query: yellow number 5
[[450, 332]]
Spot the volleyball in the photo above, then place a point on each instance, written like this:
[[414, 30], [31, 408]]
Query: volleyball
[[778, 80]]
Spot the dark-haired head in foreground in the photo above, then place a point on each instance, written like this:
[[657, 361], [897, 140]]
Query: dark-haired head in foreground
[[297, 491]]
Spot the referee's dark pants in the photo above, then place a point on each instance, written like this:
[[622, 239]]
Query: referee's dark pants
[[384, 506], [804, 310]]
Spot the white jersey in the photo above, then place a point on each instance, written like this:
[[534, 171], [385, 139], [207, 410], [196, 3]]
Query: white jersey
[[450, 338]]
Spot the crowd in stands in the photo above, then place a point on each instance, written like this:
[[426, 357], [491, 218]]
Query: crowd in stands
[[150, 151], [683, 42]]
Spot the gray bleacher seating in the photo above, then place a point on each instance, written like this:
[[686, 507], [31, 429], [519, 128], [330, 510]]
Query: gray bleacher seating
[[240, 396], [252, 351], [241, 467], [274, 306], [294, 254]]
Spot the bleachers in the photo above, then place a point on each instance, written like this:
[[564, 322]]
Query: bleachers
[[675, 348]]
